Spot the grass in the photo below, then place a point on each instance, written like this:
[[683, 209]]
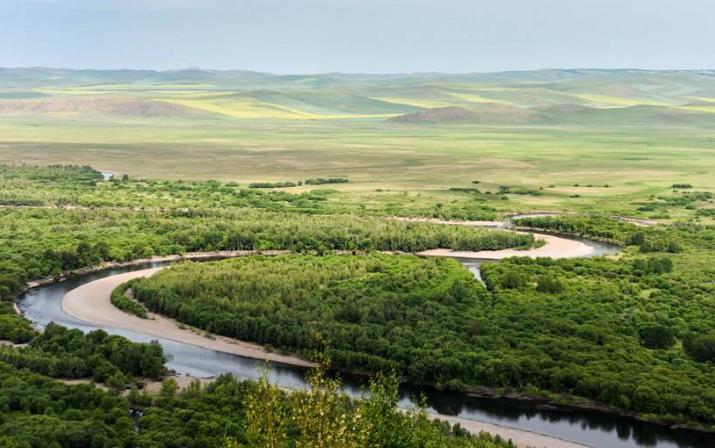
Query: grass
[[474, 98], [616, 101], [421, 103], [329, 127]]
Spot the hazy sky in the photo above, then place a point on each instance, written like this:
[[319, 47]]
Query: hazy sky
[[308, 36]]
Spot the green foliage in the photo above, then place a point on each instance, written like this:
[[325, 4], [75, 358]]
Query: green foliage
[[13, 327], [272, 184], [596, 328], [549, 284], [120, 300], [596, 226], [266, 415], [700, 347], [37, 412], [329, 180], [653, 265], [608, 330], [656, 336], [513, 280], [322, 417], [684, 199], [60, 187], [37, 243], [61, 352], [587, 225], [297, 302]]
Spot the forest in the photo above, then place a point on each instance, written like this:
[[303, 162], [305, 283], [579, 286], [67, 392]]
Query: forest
[[60, 352], [41, 242], [634, 333], [597, 328], [38, 412]]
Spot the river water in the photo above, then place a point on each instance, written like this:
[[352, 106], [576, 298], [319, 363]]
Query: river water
[[43, 305]]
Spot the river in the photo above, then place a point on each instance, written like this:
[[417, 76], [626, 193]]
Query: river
[[43, 305]]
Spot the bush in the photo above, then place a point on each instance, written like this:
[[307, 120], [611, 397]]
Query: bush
[[656, 336], [700, 347], [120, 300], [549, 284]]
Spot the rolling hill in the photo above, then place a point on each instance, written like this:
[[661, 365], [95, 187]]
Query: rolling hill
[[545, 97]]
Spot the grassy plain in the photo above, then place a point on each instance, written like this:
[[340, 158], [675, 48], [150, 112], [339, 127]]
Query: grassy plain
[[586, 140]]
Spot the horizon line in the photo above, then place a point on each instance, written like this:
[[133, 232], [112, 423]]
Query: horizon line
[[407, 73]]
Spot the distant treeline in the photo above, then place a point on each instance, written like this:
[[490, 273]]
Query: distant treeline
[[329, 180], [66, 186], [315, 181], [78, 174], [273, 184]]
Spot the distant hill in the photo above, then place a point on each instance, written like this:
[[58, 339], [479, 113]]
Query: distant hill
[[542, 97], [437, 115], [89, 106], [484, 114]]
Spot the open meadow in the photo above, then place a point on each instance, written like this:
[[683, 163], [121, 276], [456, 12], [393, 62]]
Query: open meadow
[[584, 139]]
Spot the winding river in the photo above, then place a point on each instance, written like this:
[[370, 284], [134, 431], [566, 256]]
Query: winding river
[[524, 422]]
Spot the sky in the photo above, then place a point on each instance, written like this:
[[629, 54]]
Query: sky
[[358, 36]]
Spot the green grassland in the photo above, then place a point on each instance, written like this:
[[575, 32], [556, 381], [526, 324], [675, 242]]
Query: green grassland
[[566, 133]]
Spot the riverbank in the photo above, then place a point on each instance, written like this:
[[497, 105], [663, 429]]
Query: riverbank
[[91, 303], [548, 245], [553, 247], [106, 265], [227, 254], [520, 438]]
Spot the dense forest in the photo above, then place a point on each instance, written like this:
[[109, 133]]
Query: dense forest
[[37, 243], [12, 326], [59, 352], [38, 412], [636, 335]]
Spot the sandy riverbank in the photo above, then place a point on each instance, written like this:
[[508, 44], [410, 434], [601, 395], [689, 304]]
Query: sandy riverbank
[[521, 438], [553, 247], [91, 302]]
